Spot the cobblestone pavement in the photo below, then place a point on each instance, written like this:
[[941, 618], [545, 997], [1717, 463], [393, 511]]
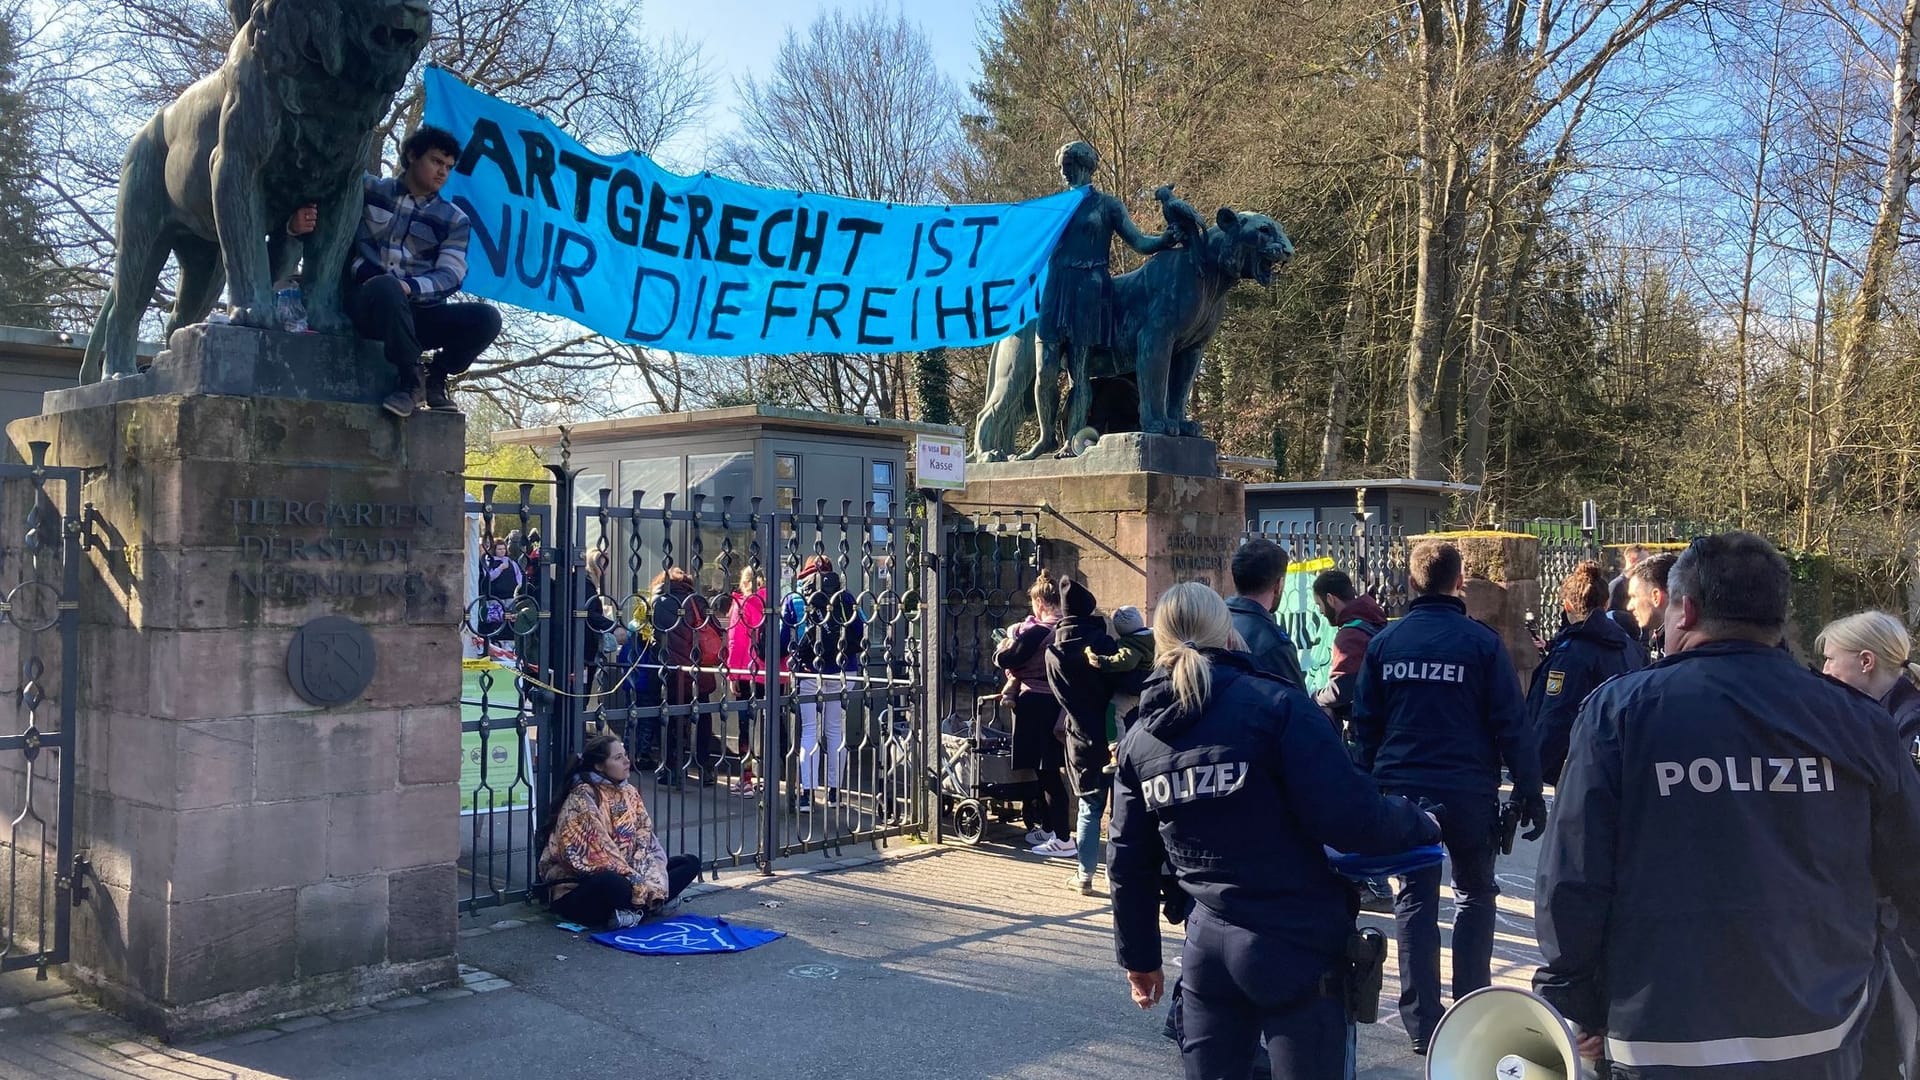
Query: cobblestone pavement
[[920, 962]]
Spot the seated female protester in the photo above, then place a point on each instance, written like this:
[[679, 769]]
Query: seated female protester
[[1590, 650], [1235, 778], [601, 862]]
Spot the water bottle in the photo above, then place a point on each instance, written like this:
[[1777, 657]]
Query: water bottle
[[290, 308]]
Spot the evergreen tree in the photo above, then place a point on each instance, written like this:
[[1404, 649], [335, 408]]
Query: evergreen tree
[[26, 259]]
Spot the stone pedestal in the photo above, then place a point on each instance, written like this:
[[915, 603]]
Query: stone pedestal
[[254, 855], [1131, 517], [1503, 571]]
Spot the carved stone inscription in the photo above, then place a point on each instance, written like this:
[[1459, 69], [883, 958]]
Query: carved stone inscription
[[315, 547], [1197, 553]]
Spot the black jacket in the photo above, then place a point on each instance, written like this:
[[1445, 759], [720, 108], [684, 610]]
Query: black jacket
[[1439, 706], [1903, 701], [1725, 822], [821, 627], [1240, 799], [1272, 650], [1084, 693], [1581, 657]]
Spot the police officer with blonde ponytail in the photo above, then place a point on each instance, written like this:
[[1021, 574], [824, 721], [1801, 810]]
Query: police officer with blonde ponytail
[[1235, 777], [1727, 830], [1871, 652]]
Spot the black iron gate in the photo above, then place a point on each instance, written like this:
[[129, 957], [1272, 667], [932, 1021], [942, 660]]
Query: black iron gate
[[659, 618], [39, 629], [989, 561], [682, 613]]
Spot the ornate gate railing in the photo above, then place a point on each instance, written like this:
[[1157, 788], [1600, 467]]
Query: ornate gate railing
[[629, 616], [39, 628]]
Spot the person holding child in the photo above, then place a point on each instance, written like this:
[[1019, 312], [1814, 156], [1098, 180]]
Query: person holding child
[[1036, 713]]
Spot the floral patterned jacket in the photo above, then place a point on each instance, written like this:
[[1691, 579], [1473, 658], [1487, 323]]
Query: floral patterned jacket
[[605, 826]]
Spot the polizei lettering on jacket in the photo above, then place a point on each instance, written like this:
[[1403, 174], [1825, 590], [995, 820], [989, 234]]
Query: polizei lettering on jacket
[[1423, 671], [1708, 775], [1193, 783]]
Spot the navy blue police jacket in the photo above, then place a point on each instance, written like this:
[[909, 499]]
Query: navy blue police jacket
[[1438, 707], [1903, 701], [1239, 798], [1708, 883], [1581, 657]]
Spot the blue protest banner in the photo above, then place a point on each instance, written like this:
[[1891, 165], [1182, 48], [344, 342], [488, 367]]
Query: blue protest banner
[[704, 264]]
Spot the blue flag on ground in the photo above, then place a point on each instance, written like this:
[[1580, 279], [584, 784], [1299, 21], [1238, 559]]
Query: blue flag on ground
[[707, 265], [686, 935]]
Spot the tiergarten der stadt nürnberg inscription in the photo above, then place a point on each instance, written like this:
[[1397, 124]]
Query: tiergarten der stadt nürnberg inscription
[[308, 548]]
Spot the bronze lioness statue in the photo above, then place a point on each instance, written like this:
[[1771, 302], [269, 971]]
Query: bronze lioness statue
[[288, 120], [1167, 311]]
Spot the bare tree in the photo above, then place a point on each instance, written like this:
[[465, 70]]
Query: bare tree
[[855, 106], [102, 67], [1856, 352]]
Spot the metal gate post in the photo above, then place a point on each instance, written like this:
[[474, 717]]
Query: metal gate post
[[561, 739], [930, 764], [774, 768]]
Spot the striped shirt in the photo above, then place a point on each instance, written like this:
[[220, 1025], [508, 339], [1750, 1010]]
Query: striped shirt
[[420, 241]]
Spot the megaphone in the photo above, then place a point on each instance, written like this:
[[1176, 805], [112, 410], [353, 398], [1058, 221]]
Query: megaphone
[[1505, 1033]]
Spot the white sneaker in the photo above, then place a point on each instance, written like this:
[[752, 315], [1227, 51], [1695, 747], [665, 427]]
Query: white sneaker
[[1081, 882], [626, 918], [1036, 837], [1057, 848]]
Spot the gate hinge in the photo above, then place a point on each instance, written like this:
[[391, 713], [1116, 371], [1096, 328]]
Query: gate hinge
[[76, 884], [930, 560]]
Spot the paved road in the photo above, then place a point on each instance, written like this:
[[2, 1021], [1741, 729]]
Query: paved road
[[926, 963]]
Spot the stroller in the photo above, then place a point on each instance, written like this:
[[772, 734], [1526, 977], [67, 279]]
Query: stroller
[[976, 775]]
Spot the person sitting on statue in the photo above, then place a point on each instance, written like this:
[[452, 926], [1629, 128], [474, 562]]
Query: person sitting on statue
[[1076, 307], [409, 256]]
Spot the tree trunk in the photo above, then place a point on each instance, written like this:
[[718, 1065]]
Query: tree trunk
[[1425, 432], [1354, 331], [1857, 340]]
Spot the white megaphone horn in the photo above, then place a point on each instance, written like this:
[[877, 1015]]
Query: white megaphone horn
[[1505, 1033]]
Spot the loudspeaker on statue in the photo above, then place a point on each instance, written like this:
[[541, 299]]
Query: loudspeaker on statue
[[1505, 1033]]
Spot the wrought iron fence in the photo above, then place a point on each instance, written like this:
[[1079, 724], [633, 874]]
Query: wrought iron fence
[[659, 618], [39, 629], [988, 563], [763, 668], [506, 715], [1374, 556]]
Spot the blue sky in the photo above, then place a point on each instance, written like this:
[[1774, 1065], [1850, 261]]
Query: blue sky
[[741, 37]]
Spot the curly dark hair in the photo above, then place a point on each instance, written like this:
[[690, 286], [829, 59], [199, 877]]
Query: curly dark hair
[[427, 138]]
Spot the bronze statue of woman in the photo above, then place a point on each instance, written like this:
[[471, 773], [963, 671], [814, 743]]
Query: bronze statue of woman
[[1076, 308]]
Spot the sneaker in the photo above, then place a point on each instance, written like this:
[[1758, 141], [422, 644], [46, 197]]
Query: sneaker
[[805, 804], [1036, 837], [833, 796], [1082, 882], [1057, 848], [400, 403], [437, 397], [624, 919]]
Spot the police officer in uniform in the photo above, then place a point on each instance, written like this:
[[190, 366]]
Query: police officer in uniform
[[1236, 778], [1726, 821], [1590, 650], [1437, 712]]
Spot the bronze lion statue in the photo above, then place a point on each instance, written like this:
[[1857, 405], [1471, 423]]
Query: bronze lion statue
[[1167, 311], [288, 120]]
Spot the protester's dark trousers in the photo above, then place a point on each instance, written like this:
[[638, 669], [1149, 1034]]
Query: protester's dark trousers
[[1466, 827], [597, 896], [382, 311]]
